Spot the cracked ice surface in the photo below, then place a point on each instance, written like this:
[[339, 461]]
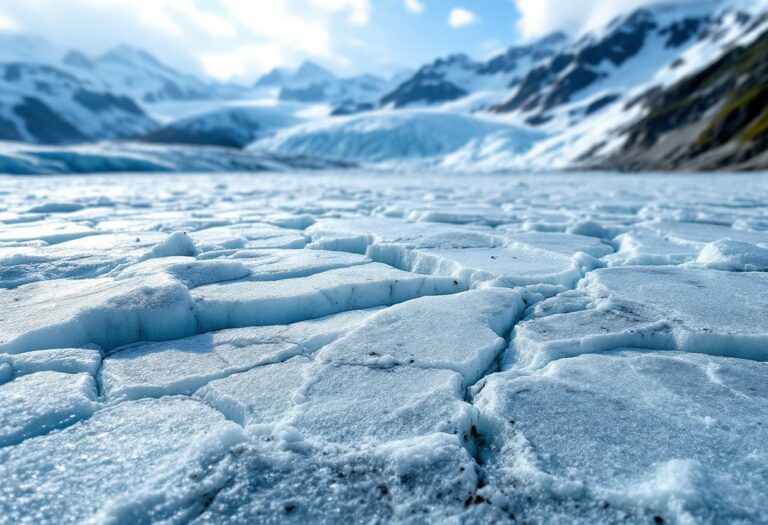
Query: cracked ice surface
[[374, 348]]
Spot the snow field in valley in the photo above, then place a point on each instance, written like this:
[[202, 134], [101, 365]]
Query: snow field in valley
[[376, 348]]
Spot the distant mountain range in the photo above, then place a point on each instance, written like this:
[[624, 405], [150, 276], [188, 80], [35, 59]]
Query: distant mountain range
[[670, 87]]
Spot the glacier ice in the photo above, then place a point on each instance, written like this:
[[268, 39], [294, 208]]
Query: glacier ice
[[653, 434], [373, 347]]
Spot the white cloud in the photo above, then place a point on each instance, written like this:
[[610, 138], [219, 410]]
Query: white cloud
[[241, 61], [229, 39], [359, 11], [539, 17], [461, 17], [7, 23], [414, 6]]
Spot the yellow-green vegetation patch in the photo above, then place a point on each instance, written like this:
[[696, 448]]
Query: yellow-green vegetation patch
[[758, 127]]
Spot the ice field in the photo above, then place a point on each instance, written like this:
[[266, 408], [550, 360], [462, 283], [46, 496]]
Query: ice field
[[367, 348]]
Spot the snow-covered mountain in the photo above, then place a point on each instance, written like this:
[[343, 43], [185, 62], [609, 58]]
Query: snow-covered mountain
[[311, 83], [566, 104], [588, 97], [616, 97], [134, 72], [629, 50], [458, 75], [42, 104], [232, 126], [123, 70], [54, 97], [715, 118]]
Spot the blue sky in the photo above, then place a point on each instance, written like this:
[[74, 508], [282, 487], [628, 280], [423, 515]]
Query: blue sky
[[241, 39]]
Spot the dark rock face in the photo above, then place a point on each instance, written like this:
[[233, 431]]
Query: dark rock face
[[579, 67], [420, 90], [621, 44], [311, 93], [715, 118], [529, 91], [600, 103], [8, 130], [222, 137], [17, 72], [100, 102], [536, 52], [681, 32], [431, 84], [51, 106], [45, 124]]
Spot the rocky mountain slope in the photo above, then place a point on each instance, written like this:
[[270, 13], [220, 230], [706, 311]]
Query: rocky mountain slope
[[716, 118], [42, 104], [233, 127], [678, 86], [457, 76]]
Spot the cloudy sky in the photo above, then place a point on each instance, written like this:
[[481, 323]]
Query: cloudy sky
[[240, 39]]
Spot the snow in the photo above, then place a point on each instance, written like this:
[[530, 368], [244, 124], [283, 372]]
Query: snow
[[463, 332], [339, 406], [155, 460], [727, 254], [183, 366], [651, 434], [63, 360], [631, 307], [38, 403], [367, 346], [258, 303], [177, 244], [390, 138]]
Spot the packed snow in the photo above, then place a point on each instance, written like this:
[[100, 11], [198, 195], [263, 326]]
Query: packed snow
[[372, 347]]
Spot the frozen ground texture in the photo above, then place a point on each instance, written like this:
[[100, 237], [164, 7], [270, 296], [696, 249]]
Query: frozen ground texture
[[348, 348]]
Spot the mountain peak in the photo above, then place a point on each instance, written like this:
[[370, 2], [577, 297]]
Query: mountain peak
[[129, 55], [77, 59], [310, 71], [275, 77]]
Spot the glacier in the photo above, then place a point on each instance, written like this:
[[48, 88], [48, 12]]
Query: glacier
[[363, 346]]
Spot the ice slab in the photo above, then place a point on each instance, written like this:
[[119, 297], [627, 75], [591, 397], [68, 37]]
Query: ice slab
[[426, 479], [183, 366], [136, 462], [567, 244], [260, 396], [463, 332], [516, 264], [108, 313], [248, 235], [84, 258], [247, 303], [355, 234], [670, 242], [51, 232], [662, 434], [358, 405], [653, 307], [187, 270], [272, 265], [38, 403], [64, 360]]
